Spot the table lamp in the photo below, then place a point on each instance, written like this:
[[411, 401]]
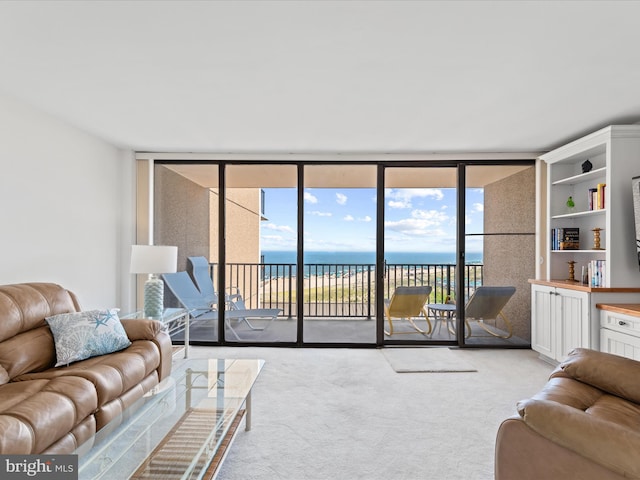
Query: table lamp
[[153, 260]]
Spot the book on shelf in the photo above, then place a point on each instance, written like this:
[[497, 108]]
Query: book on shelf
[[601, 187], [566, 238], [597, 273], [593, 198]]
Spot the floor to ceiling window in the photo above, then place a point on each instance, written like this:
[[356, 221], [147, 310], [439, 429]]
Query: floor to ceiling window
[[314, 252]]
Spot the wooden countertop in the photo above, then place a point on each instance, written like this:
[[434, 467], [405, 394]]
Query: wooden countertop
[[582, 287], [624, 308]]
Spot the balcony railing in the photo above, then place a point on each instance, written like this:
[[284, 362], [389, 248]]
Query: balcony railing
[[340, 290]]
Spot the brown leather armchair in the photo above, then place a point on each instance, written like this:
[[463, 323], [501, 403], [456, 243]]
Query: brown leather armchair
[[584, 424]]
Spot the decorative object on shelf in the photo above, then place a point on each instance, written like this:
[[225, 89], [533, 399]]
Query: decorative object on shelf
[[586, 166], [572, 271], [596, 238], [571, 205], [153, 260]]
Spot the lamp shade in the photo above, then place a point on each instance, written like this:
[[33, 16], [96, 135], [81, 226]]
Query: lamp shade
[[154, 259]]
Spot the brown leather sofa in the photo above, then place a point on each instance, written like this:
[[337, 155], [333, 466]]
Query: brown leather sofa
[[53, 410], [584, 424]]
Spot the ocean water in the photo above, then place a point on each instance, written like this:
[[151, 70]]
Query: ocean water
[[343, 262], [413, 258]]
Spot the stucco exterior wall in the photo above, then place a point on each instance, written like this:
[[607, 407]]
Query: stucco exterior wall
[[181, 215], [186, 215], [509, 207]]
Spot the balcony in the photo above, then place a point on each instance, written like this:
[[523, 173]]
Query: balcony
[[338, 301]]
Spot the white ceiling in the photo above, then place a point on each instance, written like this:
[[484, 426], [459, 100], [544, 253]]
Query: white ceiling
[[326, 76]]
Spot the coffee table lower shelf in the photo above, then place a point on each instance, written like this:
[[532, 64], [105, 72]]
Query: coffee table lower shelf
[[173, 456]]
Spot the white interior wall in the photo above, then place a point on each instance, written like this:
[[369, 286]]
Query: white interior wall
[[67, 212]]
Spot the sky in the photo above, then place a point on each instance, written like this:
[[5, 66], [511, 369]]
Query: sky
[[343, 219]]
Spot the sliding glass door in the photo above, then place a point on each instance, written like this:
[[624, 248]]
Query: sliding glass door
[[260, 253], [339, 205], [420, 242]]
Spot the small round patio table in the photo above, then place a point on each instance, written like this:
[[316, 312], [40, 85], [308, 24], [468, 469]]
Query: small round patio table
[[443, 313]]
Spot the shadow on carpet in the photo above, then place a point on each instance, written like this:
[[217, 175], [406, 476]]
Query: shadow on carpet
[[428, 360]]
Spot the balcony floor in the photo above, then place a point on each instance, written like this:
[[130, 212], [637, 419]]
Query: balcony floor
[[335, 330]]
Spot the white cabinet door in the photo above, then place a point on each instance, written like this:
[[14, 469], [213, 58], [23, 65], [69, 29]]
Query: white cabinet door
[[574, 313], [543, 337]]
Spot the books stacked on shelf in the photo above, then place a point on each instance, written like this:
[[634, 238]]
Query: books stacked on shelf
[[596, 197], [597, 277], [567, 238]]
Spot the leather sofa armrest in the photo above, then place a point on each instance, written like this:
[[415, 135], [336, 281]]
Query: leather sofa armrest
[[141, 328], [613, 374], [605, 443], [147, 329]]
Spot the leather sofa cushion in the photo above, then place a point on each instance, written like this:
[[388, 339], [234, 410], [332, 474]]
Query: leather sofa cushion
[[112, 374], [34, 414], [26, 343], [610, 373], [596, 437], [25, 306], [31, 351], [569, 392]]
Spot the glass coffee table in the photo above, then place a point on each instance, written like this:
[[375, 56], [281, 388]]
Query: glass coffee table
[[181, 429]]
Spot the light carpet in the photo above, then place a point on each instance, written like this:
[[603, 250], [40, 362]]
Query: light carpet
[[327, 413], [428, 360]]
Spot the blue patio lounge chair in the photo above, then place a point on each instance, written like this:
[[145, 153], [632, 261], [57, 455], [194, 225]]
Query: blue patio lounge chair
[[200, 308], [198, 268]]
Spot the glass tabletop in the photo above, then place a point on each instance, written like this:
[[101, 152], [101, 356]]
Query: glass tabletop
[[178, 427], [442, 307]]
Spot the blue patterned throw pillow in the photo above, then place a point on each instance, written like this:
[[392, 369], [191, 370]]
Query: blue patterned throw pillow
[[82, 335]]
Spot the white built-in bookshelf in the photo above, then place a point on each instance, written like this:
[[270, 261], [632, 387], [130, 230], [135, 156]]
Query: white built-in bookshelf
[[614, 153]]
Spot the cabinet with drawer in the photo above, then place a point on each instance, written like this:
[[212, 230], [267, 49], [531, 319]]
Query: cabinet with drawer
[[620, 329]]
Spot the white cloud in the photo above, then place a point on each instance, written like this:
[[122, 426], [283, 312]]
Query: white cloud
[[366, 218], [310, 198], [278, 228], [348, 218], [341, 198], [320, 214], [478, 207], [421, 223], [394, 204], [402, 198]]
